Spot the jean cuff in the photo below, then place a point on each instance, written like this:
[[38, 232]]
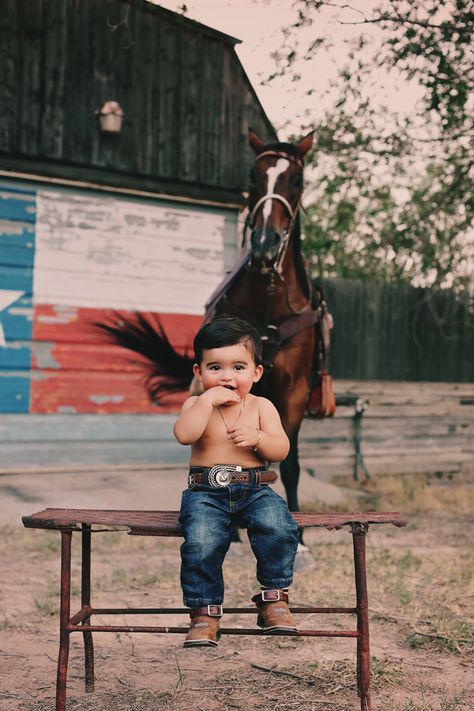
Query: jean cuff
[[195, 602], [276, 584]]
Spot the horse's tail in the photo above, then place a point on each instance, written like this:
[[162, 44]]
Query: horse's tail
[[166, 370]]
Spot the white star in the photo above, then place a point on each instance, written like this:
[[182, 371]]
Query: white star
[[7, 297]]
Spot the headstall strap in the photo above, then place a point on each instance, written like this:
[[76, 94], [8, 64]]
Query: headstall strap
[[281, 154]]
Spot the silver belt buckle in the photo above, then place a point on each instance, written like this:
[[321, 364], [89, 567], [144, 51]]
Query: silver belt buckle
[[221, 474]]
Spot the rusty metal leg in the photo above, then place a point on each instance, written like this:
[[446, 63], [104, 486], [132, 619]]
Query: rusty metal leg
[[86, 602], [64, 617], [359, 532]]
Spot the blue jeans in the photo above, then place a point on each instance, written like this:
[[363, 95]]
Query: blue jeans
[[206, 517]]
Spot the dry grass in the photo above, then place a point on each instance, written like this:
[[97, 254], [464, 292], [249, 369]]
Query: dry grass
[[420, 598]]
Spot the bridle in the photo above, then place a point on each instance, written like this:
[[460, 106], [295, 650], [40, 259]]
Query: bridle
[[292, 212], [276, 269]]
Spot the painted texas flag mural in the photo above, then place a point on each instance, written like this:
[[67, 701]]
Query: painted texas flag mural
[[68, 258]]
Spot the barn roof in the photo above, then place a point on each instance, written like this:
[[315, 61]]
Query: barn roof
[[150, 6], [186, 98]]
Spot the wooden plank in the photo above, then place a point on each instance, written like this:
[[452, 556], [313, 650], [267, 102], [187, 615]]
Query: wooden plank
[[67, 454], [169, 105], [79, 108], [190, 95], [83, 392], [30, 81], [57, 428], [82, 357], [70, 325], [102, 251], [210, 129], [9, 63], [14, 392], [53, 79]]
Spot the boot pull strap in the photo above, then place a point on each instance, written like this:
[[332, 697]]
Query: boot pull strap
[[270, 596], [209, 610]]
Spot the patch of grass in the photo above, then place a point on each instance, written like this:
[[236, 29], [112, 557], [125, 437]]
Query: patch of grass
[[385, 673], [147, 579], [412, 493], [452, 636], [126, 699], [47, 606], [120, 576], [5, 623], [445, 702]]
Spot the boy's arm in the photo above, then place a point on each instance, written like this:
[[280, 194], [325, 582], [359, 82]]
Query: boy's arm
[[270, 440], [273, 444], [193, 419], [196, 411]]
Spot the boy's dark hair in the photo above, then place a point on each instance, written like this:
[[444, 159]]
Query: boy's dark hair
[[227, 331]]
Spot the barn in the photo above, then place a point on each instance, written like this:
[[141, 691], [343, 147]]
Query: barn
[[93, 221]]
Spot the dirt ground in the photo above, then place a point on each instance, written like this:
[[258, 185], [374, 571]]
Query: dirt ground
[[420, 597]]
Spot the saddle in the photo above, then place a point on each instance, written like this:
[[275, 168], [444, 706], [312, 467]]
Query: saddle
[[321, 400]]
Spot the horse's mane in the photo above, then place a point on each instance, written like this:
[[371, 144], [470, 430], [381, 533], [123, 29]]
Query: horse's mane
[[300, 267]]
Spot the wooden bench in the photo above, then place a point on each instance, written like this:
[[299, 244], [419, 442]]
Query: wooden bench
[[165, 523]]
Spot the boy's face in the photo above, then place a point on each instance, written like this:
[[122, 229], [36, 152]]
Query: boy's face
[[230, 366]]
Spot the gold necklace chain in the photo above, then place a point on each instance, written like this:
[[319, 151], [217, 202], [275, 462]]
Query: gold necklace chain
[[238, 416]]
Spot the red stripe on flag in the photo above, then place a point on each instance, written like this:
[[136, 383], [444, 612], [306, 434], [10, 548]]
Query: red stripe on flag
[[74, 369]]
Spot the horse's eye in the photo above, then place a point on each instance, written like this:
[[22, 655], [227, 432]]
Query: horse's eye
[[298, 181]]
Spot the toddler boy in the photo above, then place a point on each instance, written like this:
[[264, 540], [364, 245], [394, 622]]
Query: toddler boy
[[232, 434]]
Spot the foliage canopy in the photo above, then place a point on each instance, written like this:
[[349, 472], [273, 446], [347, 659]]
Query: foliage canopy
[[391, 190]]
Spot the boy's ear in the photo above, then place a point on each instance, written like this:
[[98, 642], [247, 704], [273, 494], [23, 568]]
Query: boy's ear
[[197, 371], [258, 373]]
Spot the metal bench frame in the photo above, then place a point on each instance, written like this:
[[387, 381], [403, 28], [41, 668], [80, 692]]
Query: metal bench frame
[[165, 523]]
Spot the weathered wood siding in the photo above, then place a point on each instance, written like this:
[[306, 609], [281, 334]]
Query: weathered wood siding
[[397, 332], [68, 258], [186, 98]]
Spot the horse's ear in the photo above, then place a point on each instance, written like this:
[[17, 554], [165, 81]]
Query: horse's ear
[[305, 144], [255, 142]]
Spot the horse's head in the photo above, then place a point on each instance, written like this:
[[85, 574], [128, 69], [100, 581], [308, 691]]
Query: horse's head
[[275, 192]]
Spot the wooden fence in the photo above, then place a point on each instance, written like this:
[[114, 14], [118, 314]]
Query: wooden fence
[[406, 428], [397, 332]]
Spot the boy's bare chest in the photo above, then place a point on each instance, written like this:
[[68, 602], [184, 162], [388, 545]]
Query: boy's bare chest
[[224, 418], [215, 446]]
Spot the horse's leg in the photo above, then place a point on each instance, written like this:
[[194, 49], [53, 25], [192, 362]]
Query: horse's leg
[[290, 474]]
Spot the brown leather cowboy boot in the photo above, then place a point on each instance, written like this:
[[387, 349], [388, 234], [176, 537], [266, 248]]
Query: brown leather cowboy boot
[[204, 628], [273, 612]]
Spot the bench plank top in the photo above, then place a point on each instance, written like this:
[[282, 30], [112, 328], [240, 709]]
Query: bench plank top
[[166, 523]]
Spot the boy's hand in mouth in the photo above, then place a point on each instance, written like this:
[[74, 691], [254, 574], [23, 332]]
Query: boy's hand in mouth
[[222, 395]]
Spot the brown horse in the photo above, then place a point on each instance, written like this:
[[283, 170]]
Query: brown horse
[[269, 288], [274, 292]]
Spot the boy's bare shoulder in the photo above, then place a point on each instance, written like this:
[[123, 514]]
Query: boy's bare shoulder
[[189, 402], [264, 404]]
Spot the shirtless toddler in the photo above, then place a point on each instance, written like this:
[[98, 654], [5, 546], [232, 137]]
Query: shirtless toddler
[[232, 434]]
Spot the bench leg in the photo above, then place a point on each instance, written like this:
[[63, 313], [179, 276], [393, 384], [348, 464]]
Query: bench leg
[[86, 601], [64, 617], [359, 533]]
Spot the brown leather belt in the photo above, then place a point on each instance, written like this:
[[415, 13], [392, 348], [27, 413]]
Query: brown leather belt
[[223, 475]]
